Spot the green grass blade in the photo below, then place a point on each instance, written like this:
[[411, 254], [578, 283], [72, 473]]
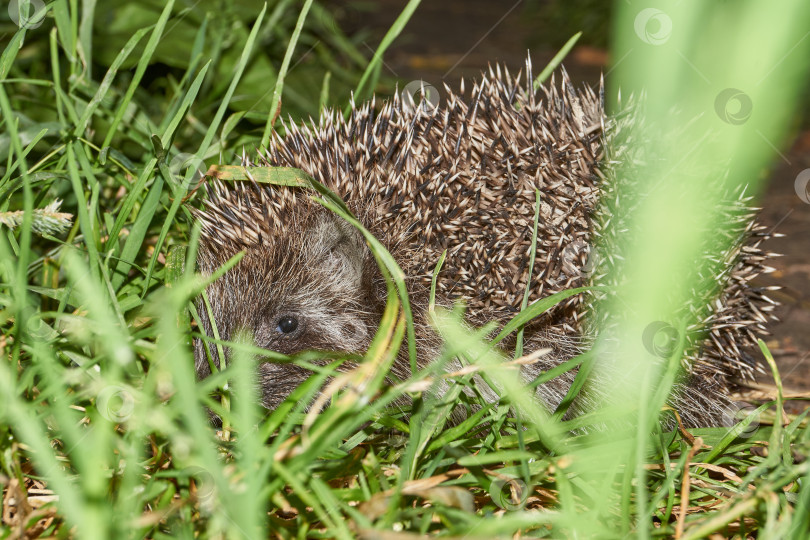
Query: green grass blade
[[185, 105], [268, 128], [86, 223], [360, 91], [209, 136], [557, 60], [151, 45], [104, 87], [10, 53], [527, 292], [85, 45], [535, 309]]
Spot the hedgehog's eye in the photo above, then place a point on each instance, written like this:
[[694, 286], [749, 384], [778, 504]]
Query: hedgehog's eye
[[287, 324]]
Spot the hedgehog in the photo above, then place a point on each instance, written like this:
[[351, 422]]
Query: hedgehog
[[459, 178]]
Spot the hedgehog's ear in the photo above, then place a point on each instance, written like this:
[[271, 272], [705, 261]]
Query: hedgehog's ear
[[343, 247]]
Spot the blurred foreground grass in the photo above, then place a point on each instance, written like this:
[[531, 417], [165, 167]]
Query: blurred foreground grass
[[111, 108]]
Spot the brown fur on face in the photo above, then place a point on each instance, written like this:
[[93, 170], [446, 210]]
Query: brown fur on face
[[318, 272]]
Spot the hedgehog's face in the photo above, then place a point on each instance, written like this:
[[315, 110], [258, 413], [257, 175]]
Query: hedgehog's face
[[310, 289]]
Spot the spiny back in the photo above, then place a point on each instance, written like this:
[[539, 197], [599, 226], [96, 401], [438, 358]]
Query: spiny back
[[463, 177]]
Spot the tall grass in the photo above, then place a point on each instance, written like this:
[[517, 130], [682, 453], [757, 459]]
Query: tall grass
[[104, 427], [700, 141]]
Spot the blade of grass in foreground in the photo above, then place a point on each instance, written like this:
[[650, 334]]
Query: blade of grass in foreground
[[658, 263], [106, 83], [16, 412], [137, 233], [172, 360], [511, 386], [534, 310], [527, 292], [367, 81], [10, 52], [140, 69], [86, 224], [206, 142], [248, 503], [24, 251], [556, 61], [268, 127]]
